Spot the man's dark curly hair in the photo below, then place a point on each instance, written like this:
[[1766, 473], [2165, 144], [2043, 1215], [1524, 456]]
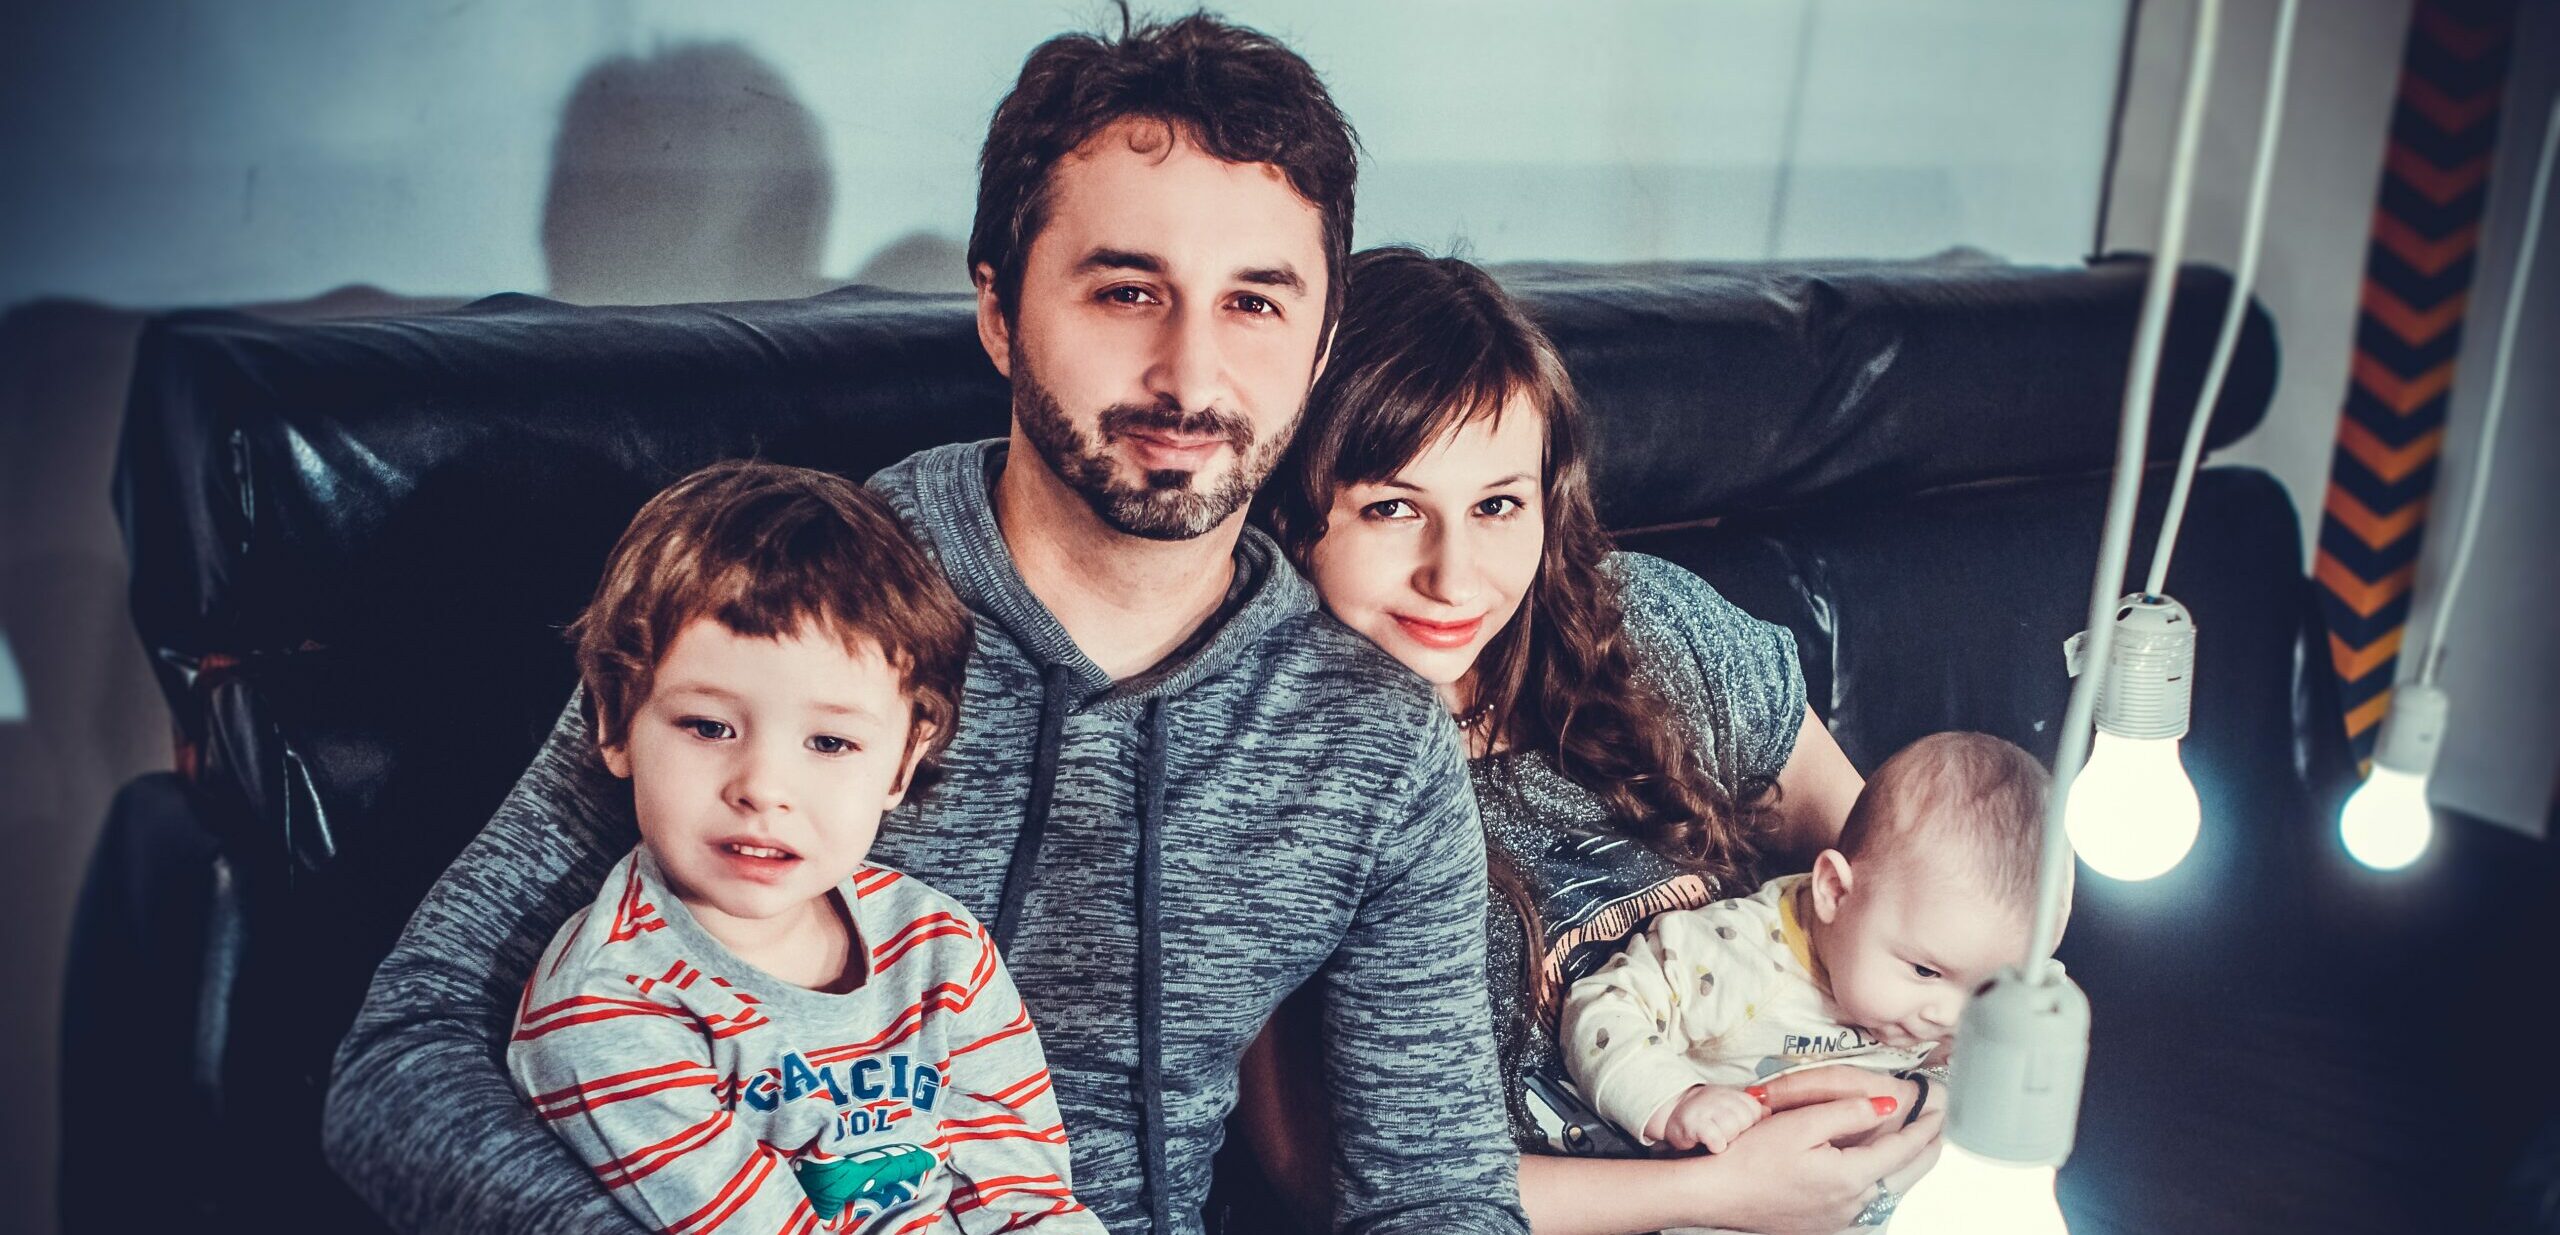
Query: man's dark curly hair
[[1240, 95]]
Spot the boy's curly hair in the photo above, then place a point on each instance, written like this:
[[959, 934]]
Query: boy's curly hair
[[767, 550]]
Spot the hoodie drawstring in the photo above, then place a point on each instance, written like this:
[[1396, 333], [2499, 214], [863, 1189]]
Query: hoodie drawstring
[[1054, 697], [1151, 1132]]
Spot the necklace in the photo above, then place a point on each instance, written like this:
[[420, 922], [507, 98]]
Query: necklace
[[1474, 718]]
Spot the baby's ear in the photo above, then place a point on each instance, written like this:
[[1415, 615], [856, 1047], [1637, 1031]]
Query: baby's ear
[[1832, 879]]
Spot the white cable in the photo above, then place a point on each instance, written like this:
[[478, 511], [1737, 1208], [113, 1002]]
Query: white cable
[[2115, 542], [2243, 281], [2506, 355]]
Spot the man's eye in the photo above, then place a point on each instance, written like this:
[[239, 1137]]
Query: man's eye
[[707, 730], [830, 744], [1924, 971], [1256, 305], [1126, 294], [1501, 507], [1392, 508]]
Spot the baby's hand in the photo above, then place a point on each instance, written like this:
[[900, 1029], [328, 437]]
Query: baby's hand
[[1711, 1116]]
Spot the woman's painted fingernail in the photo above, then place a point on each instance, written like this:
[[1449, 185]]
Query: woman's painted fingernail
[[1885, 1106], [1759, 1093]]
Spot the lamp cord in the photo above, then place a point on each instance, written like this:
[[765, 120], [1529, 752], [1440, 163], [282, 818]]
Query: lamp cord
[[2497, 405], [2115, 540], [2236, 315]]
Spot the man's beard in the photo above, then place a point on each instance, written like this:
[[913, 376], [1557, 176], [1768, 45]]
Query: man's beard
[[1162, 505]]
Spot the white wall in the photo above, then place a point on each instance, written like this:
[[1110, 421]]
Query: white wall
[[211, 152], [2502, 747]]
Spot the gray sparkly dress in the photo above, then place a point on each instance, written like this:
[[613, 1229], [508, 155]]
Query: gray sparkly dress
[[1740, 693]]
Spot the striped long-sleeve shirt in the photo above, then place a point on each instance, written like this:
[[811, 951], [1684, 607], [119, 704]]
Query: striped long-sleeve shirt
[[709, 1096]]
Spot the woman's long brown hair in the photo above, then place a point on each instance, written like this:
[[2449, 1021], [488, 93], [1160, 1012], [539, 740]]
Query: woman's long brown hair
[[1426, 345]]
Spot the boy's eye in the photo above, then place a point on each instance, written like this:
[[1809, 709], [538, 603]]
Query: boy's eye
[[1500, 507], [830, 744], [1392, 508], [706, 729], [1924, 971]]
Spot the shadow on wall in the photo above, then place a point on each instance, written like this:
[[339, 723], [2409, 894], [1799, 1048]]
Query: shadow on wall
[[691, 175], [918, 262]]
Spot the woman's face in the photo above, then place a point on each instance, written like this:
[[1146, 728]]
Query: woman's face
[[1432, 562]]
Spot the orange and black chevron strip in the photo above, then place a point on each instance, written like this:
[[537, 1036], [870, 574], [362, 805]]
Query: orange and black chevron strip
[[2418, 270]]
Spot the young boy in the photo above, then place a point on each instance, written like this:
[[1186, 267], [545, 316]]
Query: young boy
[[751, 1029], [1870, 957]]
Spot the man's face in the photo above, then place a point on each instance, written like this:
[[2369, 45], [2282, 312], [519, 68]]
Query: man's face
[[1166, 330]]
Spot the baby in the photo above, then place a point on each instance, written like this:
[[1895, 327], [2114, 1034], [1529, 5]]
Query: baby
[[1871, 956], [751, 1028]]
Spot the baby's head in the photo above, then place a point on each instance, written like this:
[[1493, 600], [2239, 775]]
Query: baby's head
[[1933, 886], [773, 663]]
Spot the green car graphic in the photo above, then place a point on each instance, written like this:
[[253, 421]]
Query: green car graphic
[[874, 1181]]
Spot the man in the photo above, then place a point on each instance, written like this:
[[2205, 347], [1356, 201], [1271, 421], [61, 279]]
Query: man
[[1178, 789]]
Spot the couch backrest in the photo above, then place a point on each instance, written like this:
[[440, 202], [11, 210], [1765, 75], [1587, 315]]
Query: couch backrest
[[353, 482]]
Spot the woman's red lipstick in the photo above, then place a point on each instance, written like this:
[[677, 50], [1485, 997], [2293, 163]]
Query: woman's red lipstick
[[1440, 634]]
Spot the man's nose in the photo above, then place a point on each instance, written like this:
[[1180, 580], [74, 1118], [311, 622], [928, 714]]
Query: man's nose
[[1190, 362]]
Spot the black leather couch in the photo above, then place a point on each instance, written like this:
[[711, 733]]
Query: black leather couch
[[353, 544]]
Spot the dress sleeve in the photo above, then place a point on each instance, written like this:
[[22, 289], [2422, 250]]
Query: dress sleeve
[[1730, 674]]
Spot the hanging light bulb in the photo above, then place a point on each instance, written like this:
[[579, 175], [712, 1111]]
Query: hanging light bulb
[[2013, 1105], [2387, 822], [1968, 1194], [2133, 813]]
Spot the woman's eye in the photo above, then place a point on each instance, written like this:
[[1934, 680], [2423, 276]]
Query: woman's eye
[[829, 744], [707, 730], [1500, 507], [1392, 508], [1924, 971]]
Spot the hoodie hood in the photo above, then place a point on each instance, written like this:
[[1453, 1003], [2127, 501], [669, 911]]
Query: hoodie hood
[[948, 495]]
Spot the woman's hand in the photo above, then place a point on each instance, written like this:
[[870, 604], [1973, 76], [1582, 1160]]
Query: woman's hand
[[1811, 1167], [1841, 1081]]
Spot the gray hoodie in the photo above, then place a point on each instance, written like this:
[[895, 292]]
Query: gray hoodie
[[1165, 857]]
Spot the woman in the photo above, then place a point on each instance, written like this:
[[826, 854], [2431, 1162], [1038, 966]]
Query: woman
[[1637, 743]]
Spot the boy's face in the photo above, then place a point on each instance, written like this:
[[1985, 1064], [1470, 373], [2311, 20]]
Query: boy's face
[[1905, 945], [760, 767], [1166, 329]]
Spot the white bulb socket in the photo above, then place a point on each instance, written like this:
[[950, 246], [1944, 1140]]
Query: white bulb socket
[[2149, 688], [2413, 730], [2014, 1094]]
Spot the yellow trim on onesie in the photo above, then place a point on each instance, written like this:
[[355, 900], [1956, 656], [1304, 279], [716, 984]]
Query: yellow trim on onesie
[[1798, 941]]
